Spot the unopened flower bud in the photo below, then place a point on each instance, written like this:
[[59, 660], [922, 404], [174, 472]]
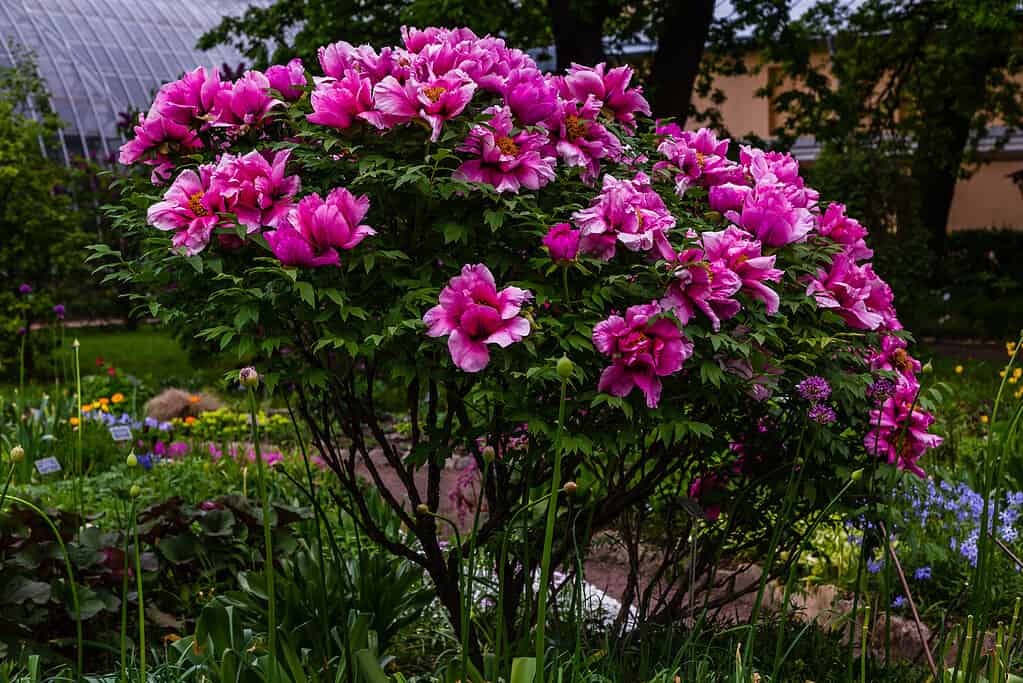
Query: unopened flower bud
[[857, 474], [423, 509], [132, 460], [135, 491], [565, 367], [570, 487], [248, 377], [75, 344], [488, 454], [17, 454], [927, 368]]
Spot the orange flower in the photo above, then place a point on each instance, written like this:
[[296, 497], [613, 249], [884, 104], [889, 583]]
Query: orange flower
[[74, 421], [194, 399], [87, 407], [103, 401], [171, 638], [117, 398], [189, 420]]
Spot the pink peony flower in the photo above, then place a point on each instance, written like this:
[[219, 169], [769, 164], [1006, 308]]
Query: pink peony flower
[[611, 87], [743, 256], [506, 160], [473, 314], [339, 103], [854, 292], [643, 348], [189, 208], [190, 100], [531, 96], [160, 136], [899, 433], [728, 197], [579, 140], [562, 243], [256, 187], [768, 213], [893, 357], [316, 228], [287, 79], [337, 58], [626, 211], [848, 232], [434, 100], [706, 285], [700, 157], [777, 168], [246, 103]]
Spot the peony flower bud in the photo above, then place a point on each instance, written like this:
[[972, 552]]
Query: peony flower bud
[[488, 454], [135, 491], [562, 242], [565, 367], [17, 454], [248, 377], [857, 475], [570, 487], [132, 460]]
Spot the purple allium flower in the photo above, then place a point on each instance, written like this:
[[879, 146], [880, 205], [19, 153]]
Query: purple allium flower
[[874, 566], [922, 574], [22, 331], [821, 414], [59, 310], [814, 388], [25, 289], [898, 602], [880, 390]]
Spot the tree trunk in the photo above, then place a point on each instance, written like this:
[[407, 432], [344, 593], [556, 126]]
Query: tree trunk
[[680, 42], [578, 31]]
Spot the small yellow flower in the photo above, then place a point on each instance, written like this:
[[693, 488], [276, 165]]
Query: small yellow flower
[[117, 398], [983, 419], [1001, 373], [96, 404], [87, 407], [74, 421], [1017, 373], [1013, 379], [959, 369], [105, 408], [1010, 347]]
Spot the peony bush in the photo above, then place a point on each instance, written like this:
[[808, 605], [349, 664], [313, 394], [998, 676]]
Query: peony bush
[[420, 232]]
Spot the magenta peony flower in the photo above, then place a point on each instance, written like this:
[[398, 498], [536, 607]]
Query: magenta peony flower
[[190, 208], [473, 314], [190, 100], [316, 228], [337, 58], [160, 136], [506, 160], [777, 168], [562, 243], [531, 96], [643, 348], [848, 232], [256, 187], [893, 357], [611, 87], [579, 139], [768, 214], [339, 103], [899, 433], [287, 79], [246, 103], [434, 100], [700, 157], [728, 197], [742, 255], [699, 283], [855, 293], [626, 211]]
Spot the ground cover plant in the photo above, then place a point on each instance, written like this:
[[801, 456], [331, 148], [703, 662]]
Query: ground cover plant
[[606, 314]]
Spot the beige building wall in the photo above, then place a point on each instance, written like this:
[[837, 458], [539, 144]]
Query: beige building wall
[[988, 199]]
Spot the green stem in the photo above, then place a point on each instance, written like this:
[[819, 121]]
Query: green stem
[[264, 494], [548, 541], [141, 602], [124, 603], [7, 484], [81, 426], [564, 282], [21, 362]]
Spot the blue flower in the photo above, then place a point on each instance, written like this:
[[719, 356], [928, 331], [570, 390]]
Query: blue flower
[[874, 566], [146, 461], [922, 574], [899, 602]]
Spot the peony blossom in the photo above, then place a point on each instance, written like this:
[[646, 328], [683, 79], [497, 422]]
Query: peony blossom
[[562, 243], [643, 348], [190, 208], [848, 232], [768, 213], [742, 255], [700, 284], [505, 159], [855, 293], [338, 58], [156, 137], [626, 211], [316, 228], [610, 87], [779, 169], [256, 188], [700, 158], [190, 99], [531, 96], [472, 313], [246, 103], [340, 103], [579, 139], [287, 79], [899, 433], [434, 100], [727, 197]]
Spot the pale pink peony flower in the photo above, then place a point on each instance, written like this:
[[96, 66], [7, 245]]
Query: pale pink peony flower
[[287, 79], [562, 243], [472, 314], [505, 159], [256, 187], [340, 103], [626, 211], [434, 100], [699, 283], [190, 209], [246, 103], [743, 256], [610, 86], [317, 228], [643, 348]]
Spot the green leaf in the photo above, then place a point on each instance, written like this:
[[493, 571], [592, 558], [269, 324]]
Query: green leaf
[[306, 291]]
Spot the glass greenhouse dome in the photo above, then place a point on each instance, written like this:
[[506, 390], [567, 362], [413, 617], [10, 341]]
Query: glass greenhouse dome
[[103, 57]]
